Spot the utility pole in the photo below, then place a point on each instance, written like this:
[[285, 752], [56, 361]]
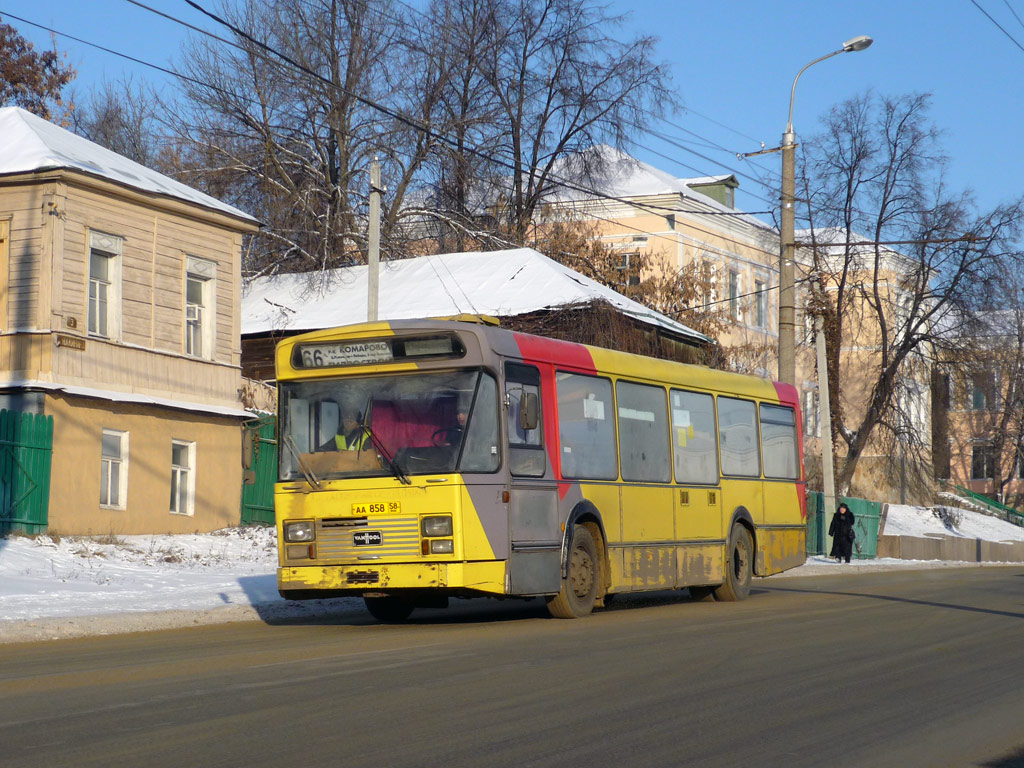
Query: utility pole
[[373, 251], [787, 329]]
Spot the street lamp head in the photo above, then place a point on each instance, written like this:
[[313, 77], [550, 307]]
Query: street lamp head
[[858, 43]]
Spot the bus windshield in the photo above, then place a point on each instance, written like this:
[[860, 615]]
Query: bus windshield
[[401, 424]]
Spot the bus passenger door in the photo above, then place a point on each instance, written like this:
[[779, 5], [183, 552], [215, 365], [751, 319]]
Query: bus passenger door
[[535, 536]]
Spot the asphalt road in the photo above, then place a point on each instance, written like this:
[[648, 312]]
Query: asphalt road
[[922, 668]]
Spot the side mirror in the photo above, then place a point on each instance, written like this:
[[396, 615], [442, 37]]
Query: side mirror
[[529, 411]]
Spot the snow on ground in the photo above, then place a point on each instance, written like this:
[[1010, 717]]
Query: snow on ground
[[63, 587]]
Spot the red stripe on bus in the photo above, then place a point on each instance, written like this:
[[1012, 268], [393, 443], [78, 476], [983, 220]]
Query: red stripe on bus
[[565, 353]]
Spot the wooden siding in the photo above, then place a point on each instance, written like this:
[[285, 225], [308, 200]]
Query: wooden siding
[[21, 265], [46, 288]]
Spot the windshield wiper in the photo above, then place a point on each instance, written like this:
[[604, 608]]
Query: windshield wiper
[[391, 461], [311, 478]]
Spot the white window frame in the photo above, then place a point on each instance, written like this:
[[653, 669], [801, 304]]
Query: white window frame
[[183, 474], [734, 289], [200, 318], [108, 247], [760, 303], [110, 465], [812, 424]]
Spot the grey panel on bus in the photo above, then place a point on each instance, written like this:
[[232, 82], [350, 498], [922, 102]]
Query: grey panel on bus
[[535, 559]]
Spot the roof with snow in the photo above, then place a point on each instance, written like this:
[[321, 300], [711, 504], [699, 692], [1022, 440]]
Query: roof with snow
[[499, 283], [31, 144], [615, 174]]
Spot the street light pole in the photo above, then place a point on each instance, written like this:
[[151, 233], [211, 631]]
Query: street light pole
[[787, 326]]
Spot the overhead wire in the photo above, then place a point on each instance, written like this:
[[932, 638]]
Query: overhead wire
[[575, 187]]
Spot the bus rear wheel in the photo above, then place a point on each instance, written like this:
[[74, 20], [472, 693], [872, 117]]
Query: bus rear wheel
[[739, 566], [389, 609], [579, 589]]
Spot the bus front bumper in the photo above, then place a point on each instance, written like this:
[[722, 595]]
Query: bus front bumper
[[485, 577]]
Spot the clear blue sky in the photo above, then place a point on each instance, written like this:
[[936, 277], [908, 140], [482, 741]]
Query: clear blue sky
[[733, 62]]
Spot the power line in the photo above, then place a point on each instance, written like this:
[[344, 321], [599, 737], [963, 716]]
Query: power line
[[1001, 27]]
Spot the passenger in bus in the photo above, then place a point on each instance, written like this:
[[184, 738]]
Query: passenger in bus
[[351, 435], [841, 531]]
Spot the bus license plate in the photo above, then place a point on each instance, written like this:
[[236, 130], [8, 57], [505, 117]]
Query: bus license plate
[[367, 538], [378, 508]]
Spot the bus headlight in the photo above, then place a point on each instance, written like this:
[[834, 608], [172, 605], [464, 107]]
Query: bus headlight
[[300, 531], [437, 525], [442, 547]]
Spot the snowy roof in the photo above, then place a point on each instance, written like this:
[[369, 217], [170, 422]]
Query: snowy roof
[[31, 144], [498, 283], [618, 175]]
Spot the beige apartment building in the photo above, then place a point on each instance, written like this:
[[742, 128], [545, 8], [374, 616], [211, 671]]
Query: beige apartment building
[[120, 314], [676, 222], [683, 221]]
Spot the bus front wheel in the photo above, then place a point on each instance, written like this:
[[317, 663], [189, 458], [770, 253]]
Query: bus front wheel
[[739, 566], [389, 609], [579, 589]]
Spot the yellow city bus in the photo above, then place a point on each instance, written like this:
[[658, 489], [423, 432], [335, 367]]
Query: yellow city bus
[[428, 459]]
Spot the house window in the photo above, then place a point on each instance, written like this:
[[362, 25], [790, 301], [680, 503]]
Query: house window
[[104, 285], [983, 462], [113, 469], [200, 280], [734, 295], [812, 427], [760, 304], [183, 478], [983, 391]]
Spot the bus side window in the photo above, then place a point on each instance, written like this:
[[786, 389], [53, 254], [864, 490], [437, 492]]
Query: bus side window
[[778, 442], [737, 437], [586, 427], [526, 448], [693, 437], [643, 433]]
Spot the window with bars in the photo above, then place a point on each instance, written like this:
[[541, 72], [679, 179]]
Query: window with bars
[[183, 477]]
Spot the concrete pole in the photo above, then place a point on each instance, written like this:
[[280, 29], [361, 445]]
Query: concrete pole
[[787, 289], [373, 254], [787, 330], [828, 477]]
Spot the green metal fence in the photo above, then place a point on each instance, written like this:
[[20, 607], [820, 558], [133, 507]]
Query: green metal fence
[[866, 516], [258, 489], [26, 450], [1009, 514]]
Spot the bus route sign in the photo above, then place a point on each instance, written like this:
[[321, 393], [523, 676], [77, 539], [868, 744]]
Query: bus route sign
[[345, 353]]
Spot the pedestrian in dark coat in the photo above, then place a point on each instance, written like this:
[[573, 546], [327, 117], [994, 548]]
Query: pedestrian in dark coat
[[841, 531]]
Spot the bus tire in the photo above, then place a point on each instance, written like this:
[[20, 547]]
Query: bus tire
[[739, 566], [579, 590], [389, 610]]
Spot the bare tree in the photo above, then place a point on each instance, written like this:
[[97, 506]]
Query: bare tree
[[285, 118], [28, 78], [563, 82], [894, 253], [122, 116]]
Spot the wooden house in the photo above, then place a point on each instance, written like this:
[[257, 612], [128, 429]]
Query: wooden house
[[120, 317]]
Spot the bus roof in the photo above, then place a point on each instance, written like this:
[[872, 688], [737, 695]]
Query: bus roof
[[565, 354]]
